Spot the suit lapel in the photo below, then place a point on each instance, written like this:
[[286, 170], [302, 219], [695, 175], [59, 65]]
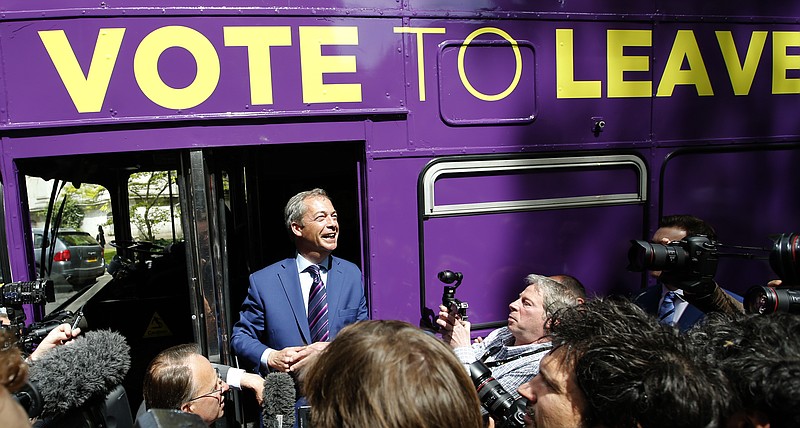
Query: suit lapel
[[691, 315], [290, 281], [334, 290]]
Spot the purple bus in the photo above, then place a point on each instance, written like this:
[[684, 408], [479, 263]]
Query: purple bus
[[495, 138]]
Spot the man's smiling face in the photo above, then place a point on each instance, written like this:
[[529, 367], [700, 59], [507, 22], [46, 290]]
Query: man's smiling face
[[318, 234]]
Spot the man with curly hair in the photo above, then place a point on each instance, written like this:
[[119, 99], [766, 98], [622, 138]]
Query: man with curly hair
[[612, 365], [760, 355]]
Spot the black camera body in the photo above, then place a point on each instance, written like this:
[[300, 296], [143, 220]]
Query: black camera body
[[687, 264], [501, 405], [15, 294], [25, 292], [449, 300]]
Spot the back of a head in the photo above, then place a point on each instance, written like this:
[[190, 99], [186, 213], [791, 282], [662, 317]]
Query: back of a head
[[168, 379], [760, 355], [13, 371], [635, 371], [389, 374], [572, 284], [692, 225]]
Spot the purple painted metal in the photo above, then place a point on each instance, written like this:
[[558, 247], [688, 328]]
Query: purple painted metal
[[404, 125]]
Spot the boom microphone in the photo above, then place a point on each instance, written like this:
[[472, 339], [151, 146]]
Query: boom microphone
[[279, 399], [86, 368]]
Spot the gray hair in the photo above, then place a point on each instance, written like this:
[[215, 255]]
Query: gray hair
[[296, 209], [555, 295]]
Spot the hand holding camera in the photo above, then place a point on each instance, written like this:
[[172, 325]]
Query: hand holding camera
[[453, 312]]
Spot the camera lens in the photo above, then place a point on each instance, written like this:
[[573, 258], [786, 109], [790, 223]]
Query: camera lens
[[766, 300], [783, 257], [645, 255], [500, 404]]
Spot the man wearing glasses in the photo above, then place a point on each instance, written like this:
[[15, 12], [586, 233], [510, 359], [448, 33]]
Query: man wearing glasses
[[180, 378]]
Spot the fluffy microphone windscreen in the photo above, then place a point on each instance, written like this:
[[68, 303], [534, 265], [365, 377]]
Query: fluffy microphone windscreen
[[279, 399], [86, 368]]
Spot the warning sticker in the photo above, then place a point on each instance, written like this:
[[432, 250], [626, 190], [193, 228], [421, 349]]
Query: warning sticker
[[157, 327]]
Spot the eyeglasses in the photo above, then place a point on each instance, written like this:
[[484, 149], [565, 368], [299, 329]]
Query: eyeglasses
[[220, 386]]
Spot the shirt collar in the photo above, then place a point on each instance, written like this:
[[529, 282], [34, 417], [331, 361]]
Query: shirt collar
[[303, 263], [665, 290]]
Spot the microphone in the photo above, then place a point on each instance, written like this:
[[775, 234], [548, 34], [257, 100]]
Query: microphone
[[279, 399], [86, 368]]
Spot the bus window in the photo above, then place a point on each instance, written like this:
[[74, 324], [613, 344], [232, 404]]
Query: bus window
[[154, 207], [65, 235]]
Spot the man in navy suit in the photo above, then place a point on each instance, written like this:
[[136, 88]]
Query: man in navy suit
[[273, 332], [683, 314]]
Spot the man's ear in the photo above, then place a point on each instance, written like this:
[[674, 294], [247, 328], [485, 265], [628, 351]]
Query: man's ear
[[297, 229], [186, 407]]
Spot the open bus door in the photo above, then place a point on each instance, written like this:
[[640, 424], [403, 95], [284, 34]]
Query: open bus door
[[232, 202], [223, 211]]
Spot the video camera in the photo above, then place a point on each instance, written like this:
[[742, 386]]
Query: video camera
[[15, 294], [25, 292], [449, 300], [507, 412]]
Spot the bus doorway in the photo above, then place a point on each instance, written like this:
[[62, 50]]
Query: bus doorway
[[232, 209], [222, 219]]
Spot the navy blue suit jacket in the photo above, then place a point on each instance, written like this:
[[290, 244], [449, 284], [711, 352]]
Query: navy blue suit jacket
[[273, 313], [649, 301]]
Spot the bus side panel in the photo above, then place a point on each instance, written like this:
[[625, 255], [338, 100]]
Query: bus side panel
[[568, 234], [779, 8], [393, 251], [357, 70], [747, 196], [495, 252], [557, 119], [707, 105], [583, 6]]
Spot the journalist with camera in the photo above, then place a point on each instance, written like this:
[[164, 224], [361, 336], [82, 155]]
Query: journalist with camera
[[508, 356], [682, 256]]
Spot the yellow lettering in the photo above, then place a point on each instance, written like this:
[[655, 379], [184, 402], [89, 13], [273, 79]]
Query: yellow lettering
[[87, 92], [314, 65], [566, 85], [517, 70], [258, 40], [685, 46], [145, 67], [618, 63], [741, 75], [420, 52], [782, 62]]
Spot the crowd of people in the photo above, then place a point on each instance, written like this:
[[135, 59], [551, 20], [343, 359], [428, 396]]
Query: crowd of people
[[664, 358]]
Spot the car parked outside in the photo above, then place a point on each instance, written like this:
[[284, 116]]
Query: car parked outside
[[77, 257]]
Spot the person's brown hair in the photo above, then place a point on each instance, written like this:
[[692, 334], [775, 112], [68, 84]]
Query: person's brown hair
[[390, 374], [13, 370], [168, 379]]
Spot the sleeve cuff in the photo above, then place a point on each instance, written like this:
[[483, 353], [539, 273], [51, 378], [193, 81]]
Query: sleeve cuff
[[265, 360], [234, 378]]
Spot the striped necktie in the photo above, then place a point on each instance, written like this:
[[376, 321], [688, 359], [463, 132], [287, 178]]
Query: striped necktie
[[666, 312], [317, 306]]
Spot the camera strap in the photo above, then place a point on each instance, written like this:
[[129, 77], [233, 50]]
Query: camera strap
[[498, 363]]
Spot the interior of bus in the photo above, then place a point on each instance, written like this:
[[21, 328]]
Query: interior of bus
[[216, 215]]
